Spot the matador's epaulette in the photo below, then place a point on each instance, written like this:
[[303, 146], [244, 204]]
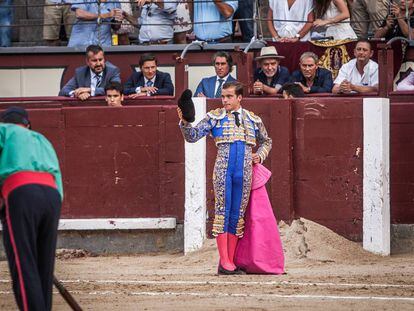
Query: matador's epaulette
[[217, 114], [252, 116]]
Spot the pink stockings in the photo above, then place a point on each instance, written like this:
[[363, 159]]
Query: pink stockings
[[226, 245]]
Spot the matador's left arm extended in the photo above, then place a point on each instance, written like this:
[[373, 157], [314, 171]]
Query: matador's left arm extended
[[263, 140]]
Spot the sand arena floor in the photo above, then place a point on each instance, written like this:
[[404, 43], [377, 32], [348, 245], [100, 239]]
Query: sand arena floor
[[324, 272]]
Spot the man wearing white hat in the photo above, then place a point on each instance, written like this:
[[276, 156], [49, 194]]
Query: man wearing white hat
[[270, 77]]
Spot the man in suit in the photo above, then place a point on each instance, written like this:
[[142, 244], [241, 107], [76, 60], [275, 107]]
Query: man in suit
[[149, 81], [90, 80], [211, 86], [310, 77]]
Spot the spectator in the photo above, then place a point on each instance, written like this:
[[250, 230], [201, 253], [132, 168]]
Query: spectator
[[292, 90], [92, 27], [6, 16], [367, 15], [211, 86], [270, 77], [312, 78], [90, 80], [182, 23], [245, 11], [157, 19], [395, 24], [332, 20], [360, 74], [126, 28], [114, 94], [284, 22], [54, 12], [407, 84], [205, 12], [149, 81]]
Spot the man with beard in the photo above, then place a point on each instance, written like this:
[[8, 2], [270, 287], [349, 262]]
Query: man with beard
[[270, 77], [90, 80], [211, 86], [312, 78]]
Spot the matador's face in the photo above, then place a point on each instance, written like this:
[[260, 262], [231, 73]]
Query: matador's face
[[231, 101]]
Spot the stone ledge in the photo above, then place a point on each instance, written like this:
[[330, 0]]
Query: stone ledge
[[93, 224]]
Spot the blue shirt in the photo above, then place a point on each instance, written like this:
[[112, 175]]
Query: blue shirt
[[206, 12], [321, 84], [281, 77], [157, 23], [87, 32]]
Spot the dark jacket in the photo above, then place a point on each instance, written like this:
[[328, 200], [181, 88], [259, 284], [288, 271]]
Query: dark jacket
[[82, 78], [281, 77], [321, 84], [162, 82]]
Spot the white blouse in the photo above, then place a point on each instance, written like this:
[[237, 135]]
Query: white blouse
[[299, 11]]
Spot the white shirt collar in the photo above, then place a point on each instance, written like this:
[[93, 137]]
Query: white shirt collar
[[224, 78]]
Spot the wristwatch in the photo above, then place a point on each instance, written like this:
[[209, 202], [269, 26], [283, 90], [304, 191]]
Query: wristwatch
[[297, 36]]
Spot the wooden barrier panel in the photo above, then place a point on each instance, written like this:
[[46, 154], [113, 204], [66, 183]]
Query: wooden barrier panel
[[117, 162], [402, 159]]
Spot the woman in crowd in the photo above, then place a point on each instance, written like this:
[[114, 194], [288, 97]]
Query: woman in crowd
[[332, 20], [290, 20]]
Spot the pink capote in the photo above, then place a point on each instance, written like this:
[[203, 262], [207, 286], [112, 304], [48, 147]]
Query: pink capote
[[260, 250]]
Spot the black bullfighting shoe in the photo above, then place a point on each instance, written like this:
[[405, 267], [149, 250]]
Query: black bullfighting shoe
[[185, 103], [222, 271]]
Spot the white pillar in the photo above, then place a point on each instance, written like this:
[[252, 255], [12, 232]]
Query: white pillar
[[376, 184], [195, 187]]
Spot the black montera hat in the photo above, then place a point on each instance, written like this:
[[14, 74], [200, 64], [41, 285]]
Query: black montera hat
[[185, 103], [16, 115]]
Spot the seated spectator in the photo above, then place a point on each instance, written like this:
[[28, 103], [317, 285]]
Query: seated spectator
[[284, 21], [6, 16], [332, 20], [114, 94], [367, 15], [270, 77], [182, 23], [407, 84], [292, 90], [211, 86], [395, 25], [205, 12], [312, 78], [149, 81], [90, 80], [157, 19], [359, 75], [91, 27], [54, 12]]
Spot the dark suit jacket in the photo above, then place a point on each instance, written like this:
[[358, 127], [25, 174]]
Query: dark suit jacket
[[207, 86], [82, 78], [281, 77], [162, 82], [323, 80]]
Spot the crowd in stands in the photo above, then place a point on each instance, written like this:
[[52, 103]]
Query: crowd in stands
[[359, 75], [93, 23], [89, 22]]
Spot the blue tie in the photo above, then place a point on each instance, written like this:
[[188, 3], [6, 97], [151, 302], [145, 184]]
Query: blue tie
[[218, 92], [149, 83], [98, 80]]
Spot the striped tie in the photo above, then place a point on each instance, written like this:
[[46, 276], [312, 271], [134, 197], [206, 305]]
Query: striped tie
[[98, 80], [218, 92]]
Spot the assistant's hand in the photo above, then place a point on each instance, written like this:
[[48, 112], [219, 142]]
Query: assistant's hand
[[180, 116]]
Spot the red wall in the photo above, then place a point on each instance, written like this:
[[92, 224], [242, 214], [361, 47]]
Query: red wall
[[117, 162], [129, 162]]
